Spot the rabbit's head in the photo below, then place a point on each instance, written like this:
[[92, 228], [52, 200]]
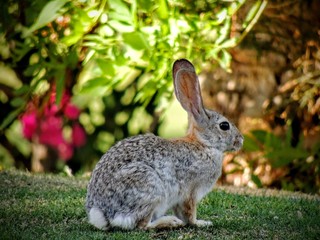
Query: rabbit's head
[[206, 126]]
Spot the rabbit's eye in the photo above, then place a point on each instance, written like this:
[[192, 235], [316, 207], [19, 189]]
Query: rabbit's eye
[[224, 126]]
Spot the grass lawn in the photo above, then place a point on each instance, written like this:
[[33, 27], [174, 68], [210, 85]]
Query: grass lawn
[[52, 207]]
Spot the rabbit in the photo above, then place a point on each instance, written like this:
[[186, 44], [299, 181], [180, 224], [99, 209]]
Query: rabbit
[[140, 178]]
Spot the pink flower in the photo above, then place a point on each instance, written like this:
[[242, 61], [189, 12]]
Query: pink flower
[[53, 97], [49, 126], [51, 131], [71, 111], [51, 110], [65, 151], [65, 98], [29, 124], [78, 135]]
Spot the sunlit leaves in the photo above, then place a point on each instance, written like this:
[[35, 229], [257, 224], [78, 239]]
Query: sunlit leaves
[[162, 10], [120, 11], [49, 13], [106, 66], [136, 40], [120, 17], [122, 46], [123, 42], [182, 33]]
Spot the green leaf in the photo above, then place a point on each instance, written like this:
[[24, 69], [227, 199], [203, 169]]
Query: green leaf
[[252, 13], [106, 31], [106, 66], [146, 5], [284, 156], [225, 59], [120, 27], [47, 15], [221, 16], [95, 83], [256, 180], [274, 142], [24, 89], [136, 40], [10, 118], [72, 39], [120, 18], [17, 102], [163, 10], [212, 53], [235, 6], [260, 135], [268, 139], [128, 79], [120, 11], [224, 31], [133, 11], [250, 144], [229, 43], [32, 70]]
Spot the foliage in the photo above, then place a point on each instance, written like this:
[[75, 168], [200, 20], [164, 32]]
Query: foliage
[[299, 166], [285, 152], [295, 109], [114, 56], [297, 99], [52, 207]]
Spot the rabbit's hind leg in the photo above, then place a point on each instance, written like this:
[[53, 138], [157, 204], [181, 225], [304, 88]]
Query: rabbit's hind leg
[[161, 222], [166, 222], [187, 211], [154, 220]]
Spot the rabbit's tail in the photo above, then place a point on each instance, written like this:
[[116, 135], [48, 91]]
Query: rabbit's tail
[[97, 219]]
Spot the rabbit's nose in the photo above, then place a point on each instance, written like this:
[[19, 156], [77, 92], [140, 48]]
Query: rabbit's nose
[[241, 140], [238, 142]]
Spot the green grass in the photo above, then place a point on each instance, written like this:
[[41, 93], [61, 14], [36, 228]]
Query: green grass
[[52, 207]]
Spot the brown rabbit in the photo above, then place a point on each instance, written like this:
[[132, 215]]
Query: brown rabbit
[[142, 177]]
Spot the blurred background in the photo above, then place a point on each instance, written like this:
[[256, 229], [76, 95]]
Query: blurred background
[[77, 76]]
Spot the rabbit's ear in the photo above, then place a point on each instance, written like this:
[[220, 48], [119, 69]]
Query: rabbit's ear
[[187, 89]]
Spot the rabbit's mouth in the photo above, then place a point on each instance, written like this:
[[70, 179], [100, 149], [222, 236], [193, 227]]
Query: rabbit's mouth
[[237, 144]]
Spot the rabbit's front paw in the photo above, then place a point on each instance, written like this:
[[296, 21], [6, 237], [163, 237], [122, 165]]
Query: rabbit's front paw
[[202, 223]]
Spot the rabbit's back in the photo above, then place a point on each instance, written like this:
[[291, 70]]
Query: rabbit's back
[[148, 150], [160, 155]]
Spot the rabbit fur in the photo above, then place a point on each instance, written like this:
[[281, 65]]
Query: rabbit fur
[[142, 177]]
